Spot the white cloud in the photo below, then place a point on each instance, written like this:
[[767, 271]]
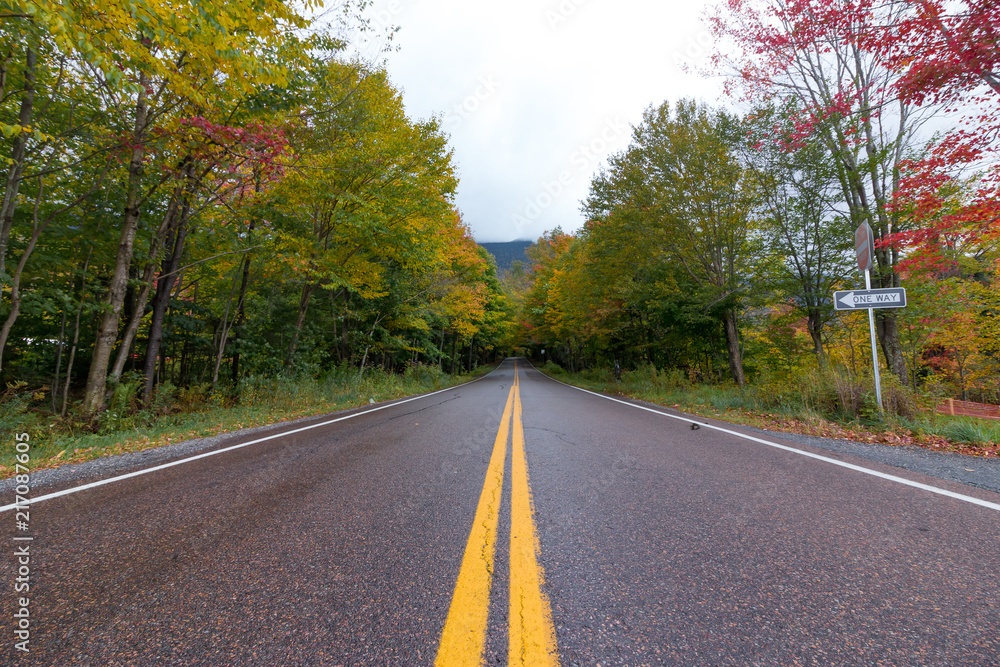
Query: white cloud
[[535, 95]]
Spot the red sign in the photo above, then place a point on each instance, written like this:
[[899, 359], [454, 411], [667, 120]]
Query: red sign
[[864, 244]]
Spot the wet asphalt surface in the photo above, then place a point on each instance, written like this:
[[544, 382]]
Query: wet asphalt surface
[[661, 546]]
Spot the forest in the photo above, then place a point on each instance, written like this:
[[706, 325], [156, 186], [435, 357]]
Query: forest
[[714, 242], [200, 194], [200, 198]]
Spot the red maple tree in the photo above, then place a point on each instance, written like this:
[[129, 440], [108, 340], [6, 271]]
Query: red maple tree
[[949, 53], [940, 55]]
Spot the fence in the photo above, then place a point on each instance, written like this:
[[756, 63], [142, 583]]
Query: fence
[[969, 409]]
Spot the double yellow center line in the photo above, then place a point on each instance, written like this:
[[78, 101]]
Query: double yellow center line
[[532, 634]]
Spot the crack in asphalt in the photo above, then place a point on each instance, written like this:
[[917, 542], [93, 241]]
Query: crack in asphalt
[[487, 550], [433, 405], [559, 435], [520, 614]]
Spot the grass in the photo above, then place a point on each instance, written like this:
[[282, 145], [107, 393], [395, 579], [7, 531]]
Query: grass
[[976, 431], [819, 403], [178, 415]]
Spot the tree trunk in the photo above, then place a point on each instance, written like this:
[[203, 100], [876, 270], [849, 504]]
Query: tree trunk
[[733, 347], [15, 283], [160, 303], [887, 328], [76, 332], [13, 183], [371, 337], [59, 355], [441, 351], [814, 324], [300, 320], [69, 362], [163, 368], [345, 340], [167, 228], [184, 367], [241, 315], [107, 331], [454, 352], [224, 328]]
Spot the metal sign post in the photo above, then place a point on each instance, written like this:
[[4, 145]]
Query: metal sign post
[[864, 244], [871, 330]]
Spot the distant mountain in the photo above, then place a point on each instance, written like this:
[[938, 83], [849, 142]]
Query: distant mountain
[[506, 254]]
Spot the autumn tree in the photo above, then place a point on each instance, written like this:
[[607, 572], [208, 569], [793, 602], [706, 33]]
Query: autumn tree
[[689, 203], [800, 221], [946, 55], [55, 130], [945, 49], [541, 307], [366, 186], [193, 190], [172, 56], [819, 55]]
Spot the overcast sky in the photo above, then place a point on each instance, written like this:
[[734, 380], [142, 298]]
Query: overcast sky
[[536, 93]]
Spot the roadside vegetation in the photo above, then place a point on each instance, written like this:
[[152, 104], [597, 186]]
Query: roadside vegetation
[[714, 242], [820, 403], [214, 216], [182, 414]]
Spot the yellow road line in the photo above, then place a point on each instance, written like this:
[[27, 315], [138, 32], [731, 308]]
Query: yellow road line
[[532, 633], [464, 637]]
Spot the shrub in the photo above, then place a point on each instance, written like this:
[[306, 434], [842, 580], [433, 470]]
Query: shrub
[[193, 397], [123, 406], [163, 399], [552, 367], [598, 374], [427, 375], [648, 376], [850, 396], [897, 400], [13, 406]]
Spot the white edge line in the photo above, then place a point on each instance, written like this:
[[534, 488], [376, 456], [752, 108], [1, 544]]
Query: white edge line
[[868, 471], [171, 464]]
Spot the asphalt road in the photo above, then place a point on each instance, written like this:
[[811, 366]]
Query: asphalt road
[[655, 544]]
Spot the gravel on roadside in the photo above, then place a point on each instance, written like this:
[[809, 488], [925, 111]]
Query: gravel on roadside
[[983, 473], [109, 466], [975, 471]]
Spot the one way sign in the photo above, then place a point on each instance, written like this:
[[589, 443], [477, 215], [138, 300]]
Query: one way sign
[[893, 297]]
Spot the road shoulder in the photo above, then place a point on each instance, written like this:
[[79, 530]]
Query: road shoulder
[[982, 473]]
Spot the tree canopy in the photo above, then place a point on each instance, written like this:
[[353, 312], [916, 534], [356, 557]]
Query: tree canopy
[[201, 192]]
